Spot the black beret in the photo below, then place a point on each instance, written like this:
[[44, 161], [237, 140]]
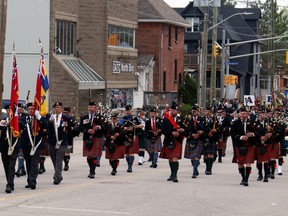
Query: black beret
[[7, 106], [243, 109], [128, 107], [92, 103], [20, 105], [29, 104], [195, 108], [57, 104], [174, 106], [208, 108], [67, 109], [153, 109]]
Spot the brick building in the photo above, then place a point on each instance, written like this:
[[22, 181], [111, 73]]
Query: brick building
[[161, 33], [92, 52]]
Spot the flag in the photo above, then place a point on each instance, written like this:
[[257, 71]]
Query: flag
[[14, 125], [42, 87]]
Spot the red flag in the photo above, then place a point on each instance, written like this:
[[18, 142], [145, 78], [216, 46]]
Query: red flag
[[14, 125]]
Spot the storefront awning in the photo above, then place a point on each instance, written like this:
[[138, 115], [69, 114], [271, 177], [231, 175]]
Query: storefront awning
[[82, 73]]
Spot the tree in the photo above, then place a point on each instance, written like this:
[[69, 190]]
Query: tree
[[228, 2], [188, 90]]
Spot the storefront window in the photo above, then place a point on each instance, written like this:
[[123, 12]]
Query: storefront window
[[119, 98], [120, 36]]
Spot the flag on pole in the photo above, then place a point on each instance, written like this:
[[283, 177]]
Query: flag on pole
[[42, 87], [14, 125]]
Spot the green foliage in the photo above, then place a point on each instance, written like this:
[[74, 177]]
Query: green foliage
[[188, 90], [228, 2], [185, 109]]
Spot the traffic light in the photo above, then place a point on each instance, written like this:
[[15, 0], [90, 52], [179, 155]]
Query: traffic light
[[287, 57], [215, 50]]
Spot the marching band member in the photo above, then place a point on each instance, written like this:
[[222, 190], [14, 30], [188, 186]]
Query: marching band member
[[242, 133], [114, 143], [31, 143], [153, 130], [194, 143], [8, 157], [92, 127], [132, 128], [59, 138], [173, 129], [142, 140]]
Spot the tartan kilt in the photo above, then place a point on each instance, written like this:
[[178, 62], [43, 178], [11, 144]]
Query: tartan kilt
[[221, 144], [118, 154], [193, 152], [263, 157], [275, 151], [133, 149], [96, 149], [154, 147], [172, 153], [45, 150], [249, 157], [210, 149]]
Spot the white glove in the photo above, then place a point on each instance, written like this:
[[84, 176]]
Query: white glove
[[37, 114], [69, 146], [51, 117]]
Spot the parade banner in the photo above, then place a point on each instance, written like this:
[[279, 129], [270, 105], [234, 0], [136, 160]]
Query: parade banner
[[268, 99], [249, 100], [14, 125]]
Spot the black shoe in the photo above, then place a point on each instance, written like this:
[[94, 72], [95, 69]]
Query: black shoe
[[170, 178], [140, 164], [194, 176], [265, 180], [245, 183], [175, 179], [66, 168], [242, 182], [129, 170], [280, 173], [208, 172], [260, 178], [92, 176], [219, 160], [41, 170], [28, 186], [56, 182], [33, 187], [272, 177], [23, 173], [113, 173], [8, 189], [97, 164], [18, 174]]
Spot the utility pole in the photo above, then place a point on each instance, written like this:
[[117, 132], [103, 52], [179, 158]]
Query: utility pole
[[214, 57], [204, 58], [3, 16]]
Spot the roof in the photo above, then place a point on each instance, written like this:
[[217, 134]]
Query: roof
[[145, 59], [81, 73], [159, 11]]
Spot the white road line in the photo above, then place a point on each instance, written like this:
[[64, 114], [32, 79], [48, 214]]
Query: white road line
[[80, 210]]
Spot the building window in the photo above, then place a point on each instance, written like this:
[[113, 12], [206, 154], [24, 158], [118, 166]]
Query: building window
[[176, 34], [194, 22], [164, 81], [169, 37], [120, 36], [119, 98], [175, 70], [65, 36], [264, 82], [180, 79]]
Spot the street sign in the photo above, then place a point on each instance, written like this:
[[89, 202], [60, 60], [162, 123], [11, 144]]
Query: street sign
[[232, 63]]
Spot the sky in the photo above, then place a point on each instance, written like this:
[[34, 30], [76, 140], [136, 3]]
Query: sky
[[183, 3]]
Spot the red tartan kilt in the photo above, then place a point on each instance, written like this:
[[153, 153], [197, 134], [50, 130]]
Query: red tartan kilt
[[45, 150], [154, 147], [263, 157], [221, 144], [249, 157], [119, 153], [96, 149], [171, 153], [133, 149], [275, 150]]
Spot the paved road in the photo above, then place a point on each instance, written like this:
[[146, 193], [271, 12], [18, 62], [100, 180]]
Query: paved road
[[146, 191]]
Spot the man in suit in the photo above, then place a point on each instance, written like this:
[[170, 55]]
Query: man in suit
[[59, 138], [8, 159], [244, 138], [92, 127], [31, 142]]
